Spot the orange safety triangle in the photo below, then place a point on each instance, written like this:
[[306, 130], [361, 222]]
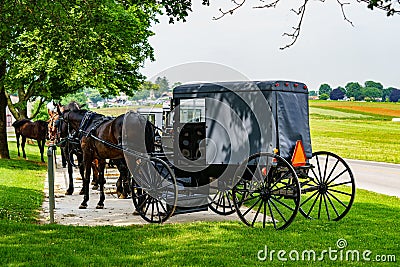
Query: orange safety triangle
[[299, 155]]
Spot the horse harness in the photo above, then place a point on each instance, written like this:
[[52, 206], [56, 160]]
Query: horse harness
[[89, 120]]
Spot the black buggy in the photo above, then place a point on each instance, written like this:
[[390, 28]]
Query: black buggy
[[241, 147]]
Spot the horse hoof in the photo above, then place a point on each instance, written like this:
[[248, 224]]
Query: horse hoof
[[68, 193], [136, 212], [81, 192], [82, 206], [95, 187], [122, 196], [100, 206]]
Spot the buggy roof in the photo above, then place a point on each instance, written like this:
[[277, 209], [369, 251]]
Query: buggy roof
[[220, 87], [287, 101]]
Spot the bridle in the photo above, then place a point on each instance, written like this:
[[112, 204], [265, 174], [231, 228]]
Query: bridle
[[72, 135]]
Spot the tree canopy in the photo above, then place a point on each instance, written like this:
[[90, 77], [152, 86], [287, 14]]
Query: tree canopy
[[50, 48], [61, 46], [394, 95], [325, 89], [372, 91], [336, 94]]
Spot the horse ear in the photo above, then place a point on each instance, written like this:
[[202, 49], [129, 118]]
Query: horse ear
[[58, 105]]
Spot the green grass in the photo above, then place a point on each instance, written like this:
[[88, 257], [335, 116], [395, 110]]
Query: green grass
[[372, 224], [21, 185], [116, 111], [354, 134], [324, 113], [382, 110]]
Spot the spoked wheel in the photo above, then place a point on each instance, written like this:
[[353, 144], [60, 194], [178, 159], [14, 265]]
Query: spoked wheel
[[222, 202], [329, 189], [154, 190], [268, 193]]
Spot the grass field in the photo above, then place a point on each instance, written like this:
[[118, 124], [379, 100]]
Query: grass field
[[385, 109], [341, 127], [115, 111]]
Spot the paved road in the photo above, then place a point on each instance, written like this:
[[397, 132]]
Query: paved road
[[379, 177]]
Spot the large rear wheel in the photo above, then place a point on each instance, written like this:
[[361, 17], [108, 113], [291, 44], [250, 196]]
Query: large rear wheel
[[329, 188]]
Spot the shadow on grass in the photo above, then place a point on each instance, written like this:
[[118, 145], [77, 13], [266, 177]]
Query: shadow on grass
[[19, 204], [32, 152], [21, 164]]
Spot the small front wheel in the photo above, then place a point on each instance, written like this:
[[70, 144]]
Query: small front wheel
[[221, 202], [154, 190], [268, 193]]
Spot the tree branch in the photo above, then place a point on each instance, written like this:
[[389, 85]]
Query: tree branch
[[390, 6], [11, 107], [343, 13], [269, 5], [42, 100], [230, 11], [296, 30]]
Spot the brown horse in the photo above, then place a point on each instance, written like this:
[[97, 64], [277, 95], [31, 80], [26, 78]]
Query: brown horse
[[35, 130], [100, 138]]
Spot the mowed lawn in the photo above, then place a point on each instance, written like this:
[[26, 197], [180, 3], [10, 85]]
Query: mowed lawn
[[350, 133]]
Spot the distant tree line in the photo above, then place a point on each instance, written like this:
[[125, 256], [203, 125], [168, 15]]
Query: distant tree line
[[370, 91]]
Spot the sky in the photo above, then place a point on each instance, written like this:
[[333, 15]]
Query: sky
[[246, 44]]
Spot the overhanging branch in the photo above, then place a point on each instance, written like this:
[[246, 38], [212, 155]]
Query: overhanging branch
[[390, 6]]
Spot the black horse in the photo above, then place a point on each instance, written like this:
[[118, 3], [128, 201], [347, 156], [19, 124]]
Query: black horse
[[70, 147], [35, 130], [100, 138]]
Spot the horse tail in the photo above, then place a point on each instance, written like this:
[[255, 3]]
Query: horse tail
[[19, 123]]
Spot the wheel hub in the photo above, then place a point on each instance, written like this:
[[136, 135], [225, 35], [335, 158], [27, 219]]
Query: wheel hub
[[265, 194], [323, 188]]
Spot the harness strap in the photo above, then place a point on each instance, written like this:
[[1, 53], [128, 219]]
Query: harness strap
[[85, 122], [120, 147]]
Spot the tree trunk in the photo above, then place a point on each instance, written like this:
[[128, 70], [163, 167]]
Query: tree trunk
[[4, 153]]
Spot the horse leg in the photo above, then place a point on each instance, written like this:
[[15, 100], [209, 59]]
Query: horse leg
[[70, 190], [23, 146], [120, 189], [87, 160], [17, 136], [63, 158], [81, 167], [41, 144], [95, 168], [101, 181], [123, 183]]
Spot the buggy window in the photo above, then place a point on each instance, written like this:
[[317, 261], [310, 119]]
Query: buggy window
[[192, 110], [151, 118]]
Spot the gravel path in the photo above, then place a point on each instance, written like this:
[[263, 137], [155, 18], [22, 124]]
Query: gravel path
[[117, 212]]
